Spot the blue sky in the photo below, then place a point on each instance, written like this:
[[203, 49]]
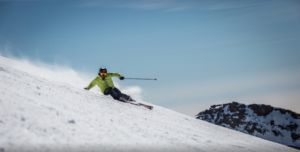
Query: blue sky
[[201, 52]]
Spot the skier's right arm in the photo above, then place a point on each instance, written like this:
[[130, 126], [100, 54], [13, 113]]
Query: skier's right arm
[[91, 85]]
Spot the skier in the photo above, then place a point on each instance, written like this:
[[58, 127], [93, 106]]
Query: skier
[[106, 85]]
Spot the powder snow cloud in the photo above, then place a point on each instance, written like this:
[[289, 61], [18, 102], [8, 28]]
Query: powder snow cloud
[[65, 74]]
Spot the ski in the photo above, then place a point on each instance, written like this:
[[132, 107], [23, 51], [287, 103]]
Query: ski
[[147, 106], [140, 104], [137, 104]]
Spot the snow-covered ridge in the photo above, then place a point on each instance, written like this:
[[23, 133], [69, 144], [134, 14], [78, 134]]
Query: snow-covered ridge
[[264, 121], [38, 114]]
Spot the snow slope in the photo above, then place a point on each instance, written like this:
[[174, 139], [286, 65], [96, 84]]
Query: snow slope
[[39, 114]]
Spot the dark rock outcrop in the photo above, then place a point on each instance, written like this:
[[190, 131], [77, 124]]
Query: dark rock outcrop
[[264, 121]]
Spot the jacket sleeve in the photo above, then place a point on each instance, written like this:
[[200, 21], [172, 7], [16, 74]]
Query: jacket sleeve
[[92, 84], [116, 75]]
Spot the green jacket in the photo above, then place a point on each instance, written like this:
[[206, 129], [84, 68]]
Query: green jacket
[[104, 83]]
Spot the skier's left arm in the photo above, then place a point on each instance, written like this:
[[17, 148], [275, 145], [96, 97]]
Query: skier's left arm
[[117, 75]]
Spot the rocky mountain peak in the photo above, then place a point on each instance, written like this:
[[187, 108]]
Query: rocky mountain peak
[[264, 121]]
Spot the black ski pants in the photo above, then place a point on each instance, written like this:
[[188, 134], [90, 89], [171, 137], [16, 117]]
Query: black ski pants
[[115, 93]]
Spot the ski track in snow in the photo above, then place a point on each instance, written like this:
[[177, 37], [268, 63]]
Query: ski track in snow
[[37, 114]]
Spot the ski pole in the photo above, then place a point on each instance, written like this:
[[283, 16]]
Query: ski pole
[[141, 79]]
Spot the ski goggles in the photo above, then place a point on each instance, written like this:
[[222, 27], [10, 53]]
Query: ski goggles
[[102, 73]]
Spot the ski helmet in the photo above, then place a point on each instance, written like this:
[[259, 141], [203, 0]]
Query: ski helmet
[[102, 70]]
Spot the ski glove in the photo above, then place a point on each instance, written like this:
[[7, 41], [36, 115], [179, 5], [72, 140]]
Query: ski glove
[[122, 78], [86, 88]]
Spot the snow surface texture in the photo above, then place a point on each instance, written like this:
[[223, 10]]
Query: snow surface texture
[[274, 124], [38, 114]]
